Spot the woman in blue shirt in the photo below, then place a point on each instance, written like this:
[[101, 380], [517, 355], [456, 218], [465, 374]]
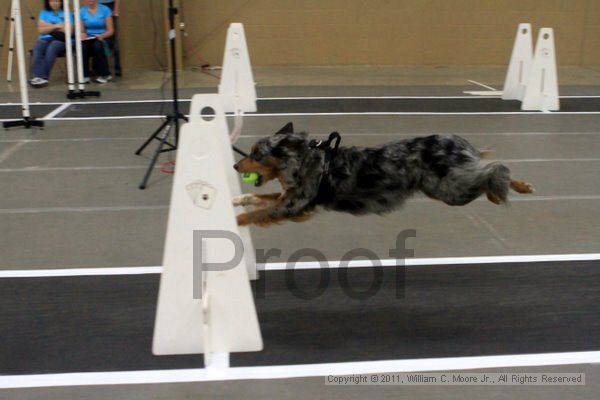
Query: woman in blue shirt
[[98, 23], [48, 46]]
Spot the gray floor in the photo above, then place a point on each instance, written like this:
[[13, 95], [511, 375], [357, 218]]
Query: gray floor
[[70, 200]]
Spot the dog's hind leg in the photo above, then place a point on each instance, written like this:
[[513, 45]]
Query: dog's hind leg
[[521, 186], [496, 183]]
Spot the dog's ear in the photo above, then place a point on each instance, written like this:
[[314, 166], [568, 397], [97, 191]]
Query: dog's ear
[[287, 129]]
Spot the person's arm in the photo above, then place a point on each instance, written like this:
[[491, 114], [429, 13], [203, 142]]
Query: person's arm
[[83, 32], [116, 8], [110, 29], [46, 27]]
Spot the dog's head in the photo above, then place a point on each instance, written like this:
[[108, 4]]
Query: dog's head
[[285, 156]]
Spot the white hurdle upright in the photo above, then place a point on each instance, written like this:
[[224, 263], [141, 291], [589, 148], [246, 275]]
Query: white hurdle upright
[[238, 95], [542, 88], [519, 67], [223, 319]]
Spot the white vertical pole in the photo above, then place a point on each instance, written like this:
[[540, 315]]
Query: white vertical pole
[[69, 49], [21, 58], [78, 44], [11, 43]]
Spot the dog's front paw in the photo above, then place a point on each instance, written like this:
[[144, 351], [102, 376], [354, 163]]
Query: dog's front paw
[[243, 220], [243, 200]]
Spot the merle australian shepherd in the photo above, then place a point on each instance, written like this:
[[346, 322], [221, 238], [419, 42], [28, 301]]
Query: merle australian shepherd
[[366, 180]]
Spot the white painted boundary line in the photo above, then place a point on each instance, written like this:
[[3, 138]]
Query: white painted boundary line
[[414, 262], [127, 167], [80, 209], [80, 272], [409, 262], [409, 134], [249, 115], [284, 98], [56, 111], [40, 210], [297, 371]]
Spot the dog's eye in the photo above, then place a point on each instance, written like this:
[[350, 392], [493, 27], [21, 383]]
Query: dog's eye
[[256, 156]]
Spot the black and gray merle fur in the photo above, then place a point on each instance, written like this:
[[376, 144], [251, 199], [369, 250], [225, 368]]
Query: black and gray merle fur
[[373, 179]]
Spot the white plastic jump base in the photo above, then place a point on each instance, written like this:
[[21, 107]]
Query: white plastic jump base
[[224, 320], [517, 75], [542, 88]]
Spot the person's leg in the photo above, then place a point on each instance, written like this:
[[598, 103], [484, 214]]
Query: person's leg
[[87, 53], [39, 52], [55, 47], [115, 46], [99, 62]]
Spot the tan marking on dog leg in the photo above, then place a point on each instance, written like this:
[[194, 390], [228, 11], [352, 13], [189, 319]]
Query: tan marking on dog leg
[[521, 186], [493, 198], [243, 200], [485, 153]]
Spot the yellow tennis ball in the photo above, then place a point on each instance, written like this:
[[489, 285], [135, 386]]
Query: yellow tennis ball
[[250, 177]]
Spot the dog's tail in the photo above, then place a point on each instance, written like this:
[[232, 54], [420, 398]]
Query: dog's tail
[[497, 180]]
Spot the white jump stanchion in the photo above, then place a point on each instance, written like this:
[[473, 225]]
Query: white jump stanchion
[[11, 44], [22, 68], [237, 88], [68, 47], [78, 49], [81, 92], [542, 88], [238, 94], [519, 67], [224, 320], [27, 120]]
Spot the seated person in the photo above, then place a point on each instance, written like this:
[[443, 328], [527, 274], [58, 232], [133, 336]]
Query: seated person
[[114, 6], [51, 42], [98, 26]]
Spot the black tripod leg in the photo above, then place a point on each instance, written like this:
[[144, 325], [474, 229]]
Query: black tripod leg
[[160, 128], [163, 139]]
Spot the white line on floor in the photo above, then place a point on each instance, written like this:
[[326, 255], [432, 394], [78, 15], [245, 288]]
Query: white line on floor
[[520, 113], [4, 155], [409, 262], [40, 210], [126, 167], [80, 209], [56, 111], [46, 169], [337, 114], [285, 98], [409, 134], [94, 139], [297, 371]]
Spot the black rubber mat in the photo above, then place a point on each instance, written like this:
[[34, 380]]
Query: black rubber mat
[[105, 323], [15, 112]]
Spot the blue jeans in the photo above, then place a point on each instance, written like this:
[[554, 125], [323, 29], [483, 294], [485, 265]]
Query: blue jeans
[[44, 55], [95, 50]]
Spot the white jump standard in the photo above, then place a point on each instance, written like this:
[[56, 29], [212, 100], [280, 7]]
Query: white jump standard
[[17, 27], [203, 309]]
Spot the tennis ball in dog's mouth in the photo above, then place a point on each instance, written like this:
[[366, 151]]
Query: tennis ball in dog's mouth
[[250, 177]]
